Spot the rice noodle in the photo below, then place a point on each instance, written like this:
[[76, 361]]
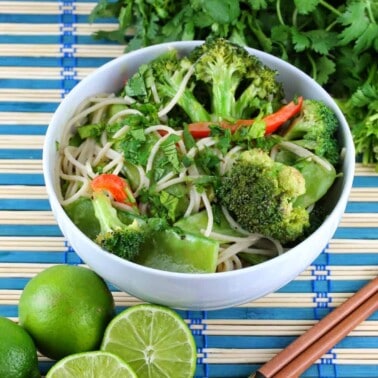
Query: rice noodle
[[236, 239], [143, 180], [179, 93], [228, 160], [167, 184], [210, 217], [93, 108], [70, 157], [123, 113], [121, 132], [154, 151], [232, 250], [165, 128], [303, 152], [232, 222], [192, 200]]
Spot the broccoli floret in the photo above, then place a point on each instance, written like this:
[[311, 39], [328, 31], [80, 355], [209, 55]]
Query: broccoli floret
[[260, 193], [315, 129], [124, 240], [161, 79], [262, 93], [239, 84], [227, 83]]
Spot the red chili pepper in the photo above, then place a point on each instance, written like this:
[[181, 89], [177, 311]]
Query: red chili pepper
[[273, 121], [115, 185], [277, 119]]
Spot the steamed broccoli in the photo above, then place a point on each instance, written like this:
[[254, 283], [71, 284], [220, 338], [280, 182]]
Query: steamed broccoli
[[227, 83], [260, 93], [160, 80], [260, 194], [239, 84], [315, 129], [124, 240]]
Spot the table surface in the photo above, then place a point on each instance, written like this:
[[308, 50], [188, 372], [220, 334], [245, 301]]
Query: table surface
[[45, 49]]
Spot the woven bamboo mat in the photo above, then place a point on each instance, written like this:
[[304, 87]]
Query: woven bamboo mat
[[45, 49]]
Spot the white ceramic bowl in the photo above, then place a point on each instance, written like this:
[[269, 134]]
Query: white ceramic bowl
[[195, 291]]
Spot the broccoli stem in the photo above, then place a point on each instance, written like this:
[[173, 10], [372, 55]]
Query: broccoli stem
[[193, 108], [223, 94], [105, 213]]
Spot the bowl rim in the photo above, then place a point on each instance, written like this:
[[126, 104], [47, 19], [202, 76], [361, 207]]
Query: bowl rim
[[58, 210]]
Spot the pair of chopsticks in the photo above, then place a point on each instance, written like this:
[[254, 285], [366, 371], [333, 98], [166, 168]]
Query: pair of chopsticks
[[318, 340]]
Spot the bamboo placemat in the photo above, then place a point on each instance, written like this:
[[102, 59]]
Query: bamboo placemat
[[45, 49]]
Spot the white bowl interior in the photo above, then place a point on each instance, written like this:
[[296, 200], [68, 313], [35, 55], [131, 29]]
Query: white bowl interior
[[195, 291]]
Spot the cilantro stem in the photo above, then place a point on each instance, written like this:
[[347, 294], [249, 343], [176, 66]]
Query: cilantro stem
[[313, 66], [372, 72], [374, 117], [279, 14], [294, 18], [330, 26], [330, 7], [370, 12]]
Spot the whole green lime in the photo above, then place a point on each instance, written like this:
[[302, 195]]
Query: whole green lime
[[18, 354], [66, 309]]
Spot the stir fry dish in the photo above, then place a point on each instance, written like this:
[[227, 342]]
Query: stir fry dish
[[200, 164]]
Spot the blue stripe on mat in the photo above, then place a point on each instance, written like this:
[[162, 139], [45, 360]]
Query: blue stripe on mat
[[356, 233], [30, 83], [23, 129], [29, 230], [365, 182], [45, 257], [21, 154], [28, 39], [24, 204], [362, 207], [50, 61], [21, 179], [43, 107]]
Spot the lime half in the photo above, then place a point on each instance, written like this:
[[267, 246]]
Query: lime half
[[154, 340], [96, 364]]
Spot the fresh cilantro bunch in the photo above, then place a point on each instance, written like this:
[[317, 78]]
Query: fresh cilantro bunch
[[334, 41]]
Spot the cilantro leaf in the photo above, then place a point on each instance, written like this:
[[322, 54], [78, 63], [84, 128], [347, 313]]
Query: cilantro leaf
[[300, 40], [306, 6], [170, 151], [325, 68], [359, 26]]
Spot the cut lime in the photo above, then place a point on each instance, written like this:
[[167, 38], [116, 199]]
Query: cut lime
[[154, 340], [91, 365]]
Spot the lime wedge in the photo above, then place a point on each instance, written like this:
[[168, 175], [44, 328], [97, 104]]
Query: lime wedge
[[96, 364], [154, 340]]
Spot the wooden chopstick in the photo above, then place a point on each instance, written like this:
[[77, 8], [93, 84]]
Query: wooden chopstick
[[305, 350]]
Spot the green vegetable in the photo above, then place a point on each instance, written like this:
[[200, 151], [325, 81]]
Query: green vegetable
[[180, 252], [218, 80], [149, 242], [240, 85], [195, 223], [318, 181], [166, 73], [334, 42], [315, 129], [90, 131], [260, 193], [124, 240], [82, 214], [362, 111]]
